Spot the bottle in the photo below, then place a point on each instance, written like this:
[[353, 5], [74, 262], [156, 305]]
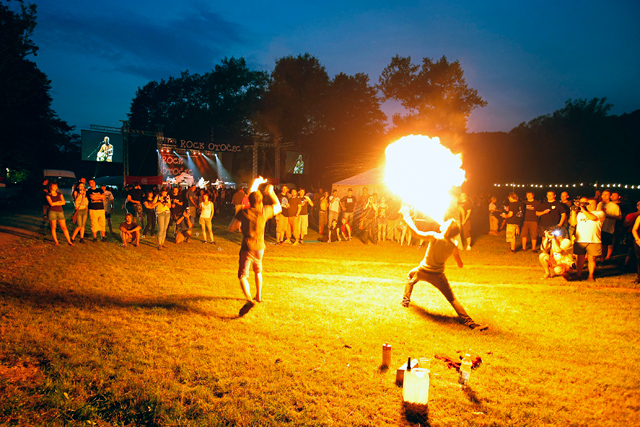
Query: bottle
[[465, 370], [386, 355]]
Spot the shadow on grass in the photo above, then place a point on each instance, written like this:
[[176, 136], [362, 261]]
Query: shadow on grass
[[416, 413], [437, 318], [39, 297]]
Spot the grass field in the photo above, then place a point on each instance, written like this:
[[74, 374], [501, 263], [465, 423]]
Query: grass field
[[102, 335]]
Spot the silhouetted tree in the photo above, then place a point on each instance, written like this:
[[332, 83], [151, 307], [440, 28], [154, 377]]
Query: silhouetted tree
[[33, 136], [435, 95]]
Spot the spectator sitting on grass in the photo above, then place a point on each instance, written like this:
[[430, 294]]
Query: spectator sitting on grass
[[130, 231], [332, 234], [345, 230], [557, 253], [184, 227]]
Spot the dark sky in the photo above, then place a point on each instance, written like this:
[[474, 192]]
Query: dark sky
[[524, 58]]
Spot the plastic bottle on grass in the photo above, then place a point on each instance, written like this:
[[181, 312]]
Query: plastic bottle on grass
[[465, 370]]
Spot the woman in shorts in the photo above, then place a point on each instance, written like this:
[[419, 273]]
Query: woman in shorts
[[56, 202]]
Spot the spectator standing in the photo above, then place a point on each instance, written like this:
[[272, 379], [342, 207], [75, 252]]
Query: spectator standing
[[348, 203], [81, 203], [56, 202], [162, 203], [237, 199], [370, 229], [135, 197], [44, 192], [493, 216], [465, 207], [613, 214], [635, 230], [149, 209], [551, 213], [383, 209], [334, 207], [322, 212], [108, 206], [295, 206], [177, 208], [283, 230], [588, 222], [514, 217], [206, 214], [96, 210], [530, 224], [306, 203], [194, 203]]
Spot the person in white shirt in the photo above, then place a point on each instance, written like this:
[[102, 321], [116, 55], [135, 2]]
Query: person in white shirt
[[613, 214], [588, 243], [206, 213]]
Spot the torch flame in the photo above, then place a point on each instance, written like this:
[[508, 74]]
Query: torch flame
[[423, 172], [256, 183]]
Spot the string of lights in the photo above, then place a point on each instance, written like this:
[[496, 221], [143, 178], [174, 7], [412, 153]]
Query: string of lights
[[582, 184]]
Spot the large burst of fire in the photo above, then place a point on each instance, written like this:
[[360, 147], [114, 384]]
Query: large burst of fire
[[423, 173]]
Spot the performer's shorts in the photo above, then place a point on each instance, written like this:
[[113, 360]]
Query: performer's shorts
[[246, 259]]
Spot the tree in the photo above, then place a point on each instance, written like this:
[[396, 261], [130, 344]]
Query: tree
[[26, 117], [219, 104], [351, 138], [435, 95]]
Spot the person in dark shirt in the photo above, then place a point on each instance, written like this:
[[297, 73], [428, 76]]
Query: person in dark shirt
[[130, 231], [135, 197], [513, 217], [295, 206], [177, 208], [349, 203], [552, 213], [96, 210], [530, 224]]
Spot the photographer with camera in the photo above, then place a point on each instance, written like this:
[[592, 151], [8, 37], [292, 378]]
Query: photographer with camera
[[588, 222], [556, 254]]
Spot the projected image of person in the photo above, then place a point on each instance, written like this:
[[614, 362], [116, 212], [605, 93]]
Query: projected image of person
[[440, 247], [105, 153], [251, 223], [298, 168]]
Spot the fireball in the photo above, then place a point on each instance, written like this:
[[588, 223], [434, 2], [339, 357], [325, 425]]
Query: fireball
[[423, 172]]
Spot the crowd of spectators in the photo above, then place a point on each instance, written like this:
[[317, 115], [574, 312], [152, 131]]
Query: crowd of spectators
[[594, 226], [577, 230]]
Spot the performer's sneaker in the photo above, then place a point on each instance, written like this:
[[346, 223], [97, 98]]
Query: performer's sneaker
[[478, 327], [246, 308], [405, 303]]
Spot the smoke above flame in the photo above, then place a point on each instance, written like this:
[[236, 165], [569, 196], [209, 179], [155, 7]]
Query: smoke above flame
[[423, 172]]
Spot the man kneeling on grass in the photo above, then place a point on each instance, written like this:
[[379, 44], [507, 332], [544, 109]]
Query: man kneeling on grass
[[557, 253], [130, 231], [251, 223], [431, 269]]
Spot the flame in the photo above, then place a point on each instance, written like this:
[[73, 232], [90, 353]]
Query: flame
[[423, 172], [256, 183]]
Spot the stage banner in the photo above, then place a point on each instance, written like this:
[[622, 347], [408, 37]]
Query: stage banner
[[182, 144], [143, 180]]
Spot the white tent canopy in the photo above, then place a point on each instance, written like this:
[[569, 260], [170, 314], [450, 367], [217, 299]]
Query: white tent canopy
[[372, 180]]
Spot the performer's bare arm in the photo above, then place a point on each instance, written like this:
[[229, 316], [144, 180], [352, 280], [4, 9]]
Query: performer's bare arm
[[426, 235], [456, 256]]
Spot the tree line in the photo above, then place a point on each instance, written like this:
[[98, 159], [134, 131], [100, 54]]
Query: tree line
[[337, 120]]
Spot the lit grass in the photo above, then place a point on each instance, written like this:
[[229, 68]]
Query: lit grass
[[134, 336]]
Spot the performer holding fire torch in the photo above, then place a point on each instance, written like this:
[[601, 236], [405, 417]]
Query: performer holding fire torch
[[431, 269], [251, 223]]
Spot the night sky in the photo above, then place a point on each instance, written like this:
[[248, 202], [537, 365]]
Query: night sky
[[524, 58]]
